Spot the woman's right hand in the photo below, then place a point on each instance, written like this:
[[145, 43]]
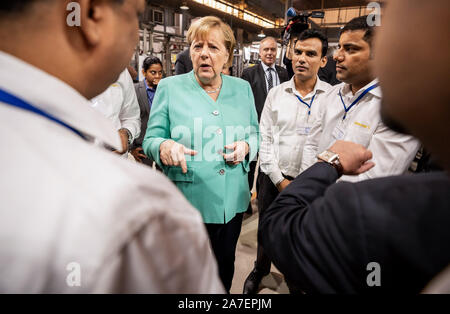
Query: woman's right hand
[[172, 153]]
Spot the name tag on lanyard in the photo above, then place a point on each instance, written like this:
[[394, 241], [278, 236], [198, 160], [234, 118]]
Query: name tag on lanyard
[[303, 130]]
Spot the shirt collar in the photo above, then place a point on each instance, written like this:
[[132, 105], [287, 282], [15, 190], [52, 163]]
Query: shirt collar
[[265, 67], [147, 87], [346, 90], [319, 87], [55, 97]]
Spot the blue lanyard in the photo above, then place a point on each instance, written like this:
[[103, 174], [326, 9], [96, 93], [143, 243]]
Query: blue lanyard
[[12, 100], [304, 102], [357, 99]]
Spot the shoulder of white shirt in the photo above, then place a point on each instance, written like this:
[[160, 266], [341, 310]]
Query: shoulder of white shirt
[[56, 98]]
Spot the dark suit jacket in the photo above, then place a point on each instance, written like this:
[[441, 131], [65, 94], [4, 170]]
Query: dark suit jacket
[[328, 73], [255, 76], [322, 236], [144, 106], [183, 64]]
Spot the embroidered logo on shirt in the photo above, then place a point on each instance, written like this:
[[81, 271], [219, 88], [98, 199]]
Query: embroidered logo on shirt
[[362, 125]]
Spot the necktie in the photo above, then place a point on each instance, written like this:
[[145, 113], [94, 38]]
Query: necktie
[[269, 78]]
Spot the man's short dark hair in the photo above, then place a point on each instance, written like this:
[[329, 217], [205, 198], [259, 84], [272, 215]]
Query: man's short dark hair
[[16, 6], [314, 33], [20, 6], [149, 61], [360, 23]]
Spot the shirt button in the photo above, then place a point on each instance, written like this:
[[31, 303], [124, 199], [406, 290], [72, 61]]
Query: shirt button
[[215, 112], [219, 131], [222, 172]]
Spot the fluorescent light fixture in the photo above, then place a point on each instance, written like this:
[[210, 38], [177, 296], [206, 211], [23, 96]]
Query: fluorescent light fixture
[[184, 6], [237, 11]]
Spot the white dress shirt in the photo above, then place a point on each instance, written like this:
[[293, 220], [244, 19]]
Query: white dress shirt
[[274, 74], [119, 104], [392, 152], [284, 127], [76, 218]]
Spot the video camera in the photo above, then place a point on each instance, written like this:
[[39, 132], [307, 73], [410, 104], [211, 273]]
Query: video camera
[[298, 22]]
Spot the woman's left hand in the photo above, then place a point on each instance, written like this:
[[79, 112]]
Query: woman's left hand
[[240, 151]]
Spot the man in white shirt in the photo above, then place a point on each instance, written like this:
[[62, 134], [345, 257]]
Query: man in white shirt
[[262, 78], [350, 111], [74, 217], [119, 104], [288, 114]]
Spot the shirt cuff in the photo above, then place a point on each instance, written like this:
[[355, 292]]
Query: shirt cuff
[[276, 177]]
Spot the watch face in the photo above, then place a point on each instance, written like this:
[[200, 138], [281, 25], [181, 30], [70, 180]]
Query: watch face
[[328, 156]]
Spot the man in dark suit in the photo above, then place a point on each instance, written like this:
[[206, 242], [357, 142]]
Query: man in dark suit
[[262, 78], [389, 234], [258, 75], [145, 90]]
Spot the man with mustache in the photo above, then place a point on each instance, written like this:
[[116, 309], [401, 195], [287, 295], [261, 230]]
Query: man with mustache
[[288, 114], [341, 238], [351, 110]]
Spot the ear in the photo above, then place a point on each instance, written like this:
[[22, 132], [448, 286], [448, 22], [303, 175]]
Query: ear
[[93, 16], [323, 61]]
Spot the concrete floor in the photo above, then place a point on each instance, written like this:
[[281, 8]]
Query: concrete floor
[[245, 257]]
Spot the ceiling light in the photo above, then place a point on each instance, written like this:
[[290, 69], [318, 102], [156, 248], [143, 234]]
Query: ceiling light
[[262, 35], [184, 6]]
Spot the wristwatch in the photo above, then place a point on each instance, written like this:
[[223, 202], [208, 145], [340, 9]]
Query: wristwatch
[[333, 159]]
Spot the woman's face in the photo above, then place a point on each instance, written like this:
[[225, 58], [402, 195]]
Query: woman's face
[[209, 56]]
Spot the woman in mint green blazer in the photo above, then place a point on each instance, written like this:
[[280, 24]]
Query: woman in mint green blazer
[[203, 132]]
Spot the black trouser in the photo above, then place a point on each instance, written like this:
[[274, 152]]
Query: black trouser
[[266, 195], [224, 239]]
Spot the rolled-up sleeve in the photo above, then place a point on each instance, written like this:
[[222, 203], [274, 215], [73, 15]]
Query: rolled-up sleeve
[[130, 113]]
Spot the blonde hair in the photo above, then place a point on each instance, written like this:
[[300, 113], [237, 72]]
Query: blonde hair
[[201, 28]]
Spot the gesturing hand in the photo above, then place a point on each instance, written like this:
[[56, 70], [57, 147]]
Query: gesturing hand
[[237, 156], [172, 153], [354, 157]]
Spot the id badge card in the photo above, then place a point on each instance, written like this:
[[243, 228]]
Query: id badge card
[[338, 133], [303, 130]]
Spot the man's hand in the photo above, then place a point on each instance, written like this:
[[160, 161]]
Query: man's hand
[[172, 154], [124, 138], [283, 184], [138, 153], [240, 150], [354, 158]]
